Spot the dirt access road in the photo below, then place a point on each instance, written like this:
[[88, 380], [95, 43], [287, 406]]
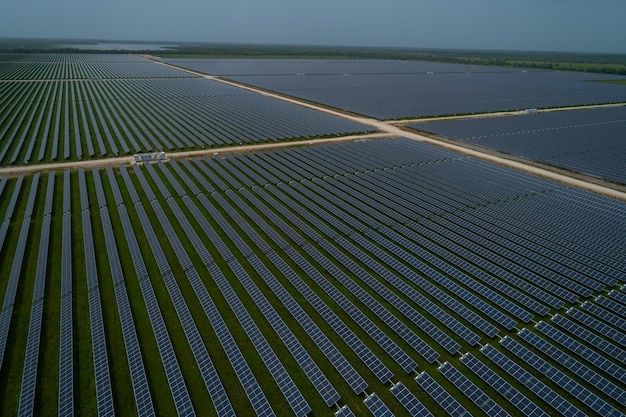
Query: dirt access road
[[387, 129]]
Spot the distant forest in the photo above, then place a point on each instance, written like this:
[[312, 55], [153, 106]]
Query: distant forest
[[560, 61]]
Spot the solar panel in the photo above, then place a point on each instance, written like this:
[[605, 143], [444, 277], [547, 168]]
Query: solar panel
[[589, 376], [344, 411], [209, 373], [394, 351], [441, 396], [104, 394], [315, 375], [558, 377], [529, 381], [376, 406], [66, 350], [381, 371], [471, 391], [409, 401], [542, 137], [503, 387], [29, 374], [598, 326], [242, 370], [136, 367], [180, 394], [592, 339], [613, 319], [363, 352]]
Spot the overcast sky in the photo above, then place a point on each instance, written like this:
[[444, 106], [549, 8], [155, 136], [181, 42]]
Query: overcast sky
[[548, 25]]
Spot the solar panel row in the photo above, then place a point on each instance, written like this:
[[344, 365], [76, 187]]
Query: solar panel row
[[10, 208], [396, 96], [613, 319], [31, 360], [178, 388], [615, 307], [618, 295], [589, 376], [471, 391], [402, 330], [592, 356], [559, 378], [502, 386], [104, 394], [319, 380], [141, 390], [376, 406], [597, 325], [441, 396], [324, 213], [244, 373], [66, 338], [344, 216], [16, 266], [81, 67], [397, 354], [241, 215], [540, 389], [207, 369], [284, 381], [409, 401], [344, 197], [143, 115]]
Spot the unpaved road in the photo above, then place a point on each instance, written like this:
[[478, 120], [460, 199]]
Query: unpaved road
[[387, 129]]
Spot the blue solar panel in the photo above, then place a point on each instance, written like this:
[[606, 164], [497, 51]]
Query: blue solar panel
[[29, 375], [208, 371], [586, 374], [344, 412], [423, 93], [138, 376], [471, 391], [243, 371], [598, 326], [441, 396], [559, 378], [504, 388], [409, 401], [557, 138], [104, 394], [613, 319], [376, 406], [596, 342], [535, 385], [180, 394]]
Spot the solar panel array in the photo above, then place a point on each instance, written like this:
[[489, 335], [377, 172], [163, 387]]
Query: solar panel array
[[242, 66], [588, 141], [152, 108], [446, 89], [81, 67], [330, 273]]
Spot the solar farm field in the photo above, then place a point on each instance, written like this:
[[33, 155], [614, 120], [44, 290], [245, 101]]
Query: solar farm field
[[383, 275], [69, 107], [240, 66], [587, 141], [399, 90]]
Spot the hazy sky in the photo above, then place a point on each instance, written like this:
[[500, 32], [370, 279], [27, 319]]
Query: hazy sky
[[552, 25]]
